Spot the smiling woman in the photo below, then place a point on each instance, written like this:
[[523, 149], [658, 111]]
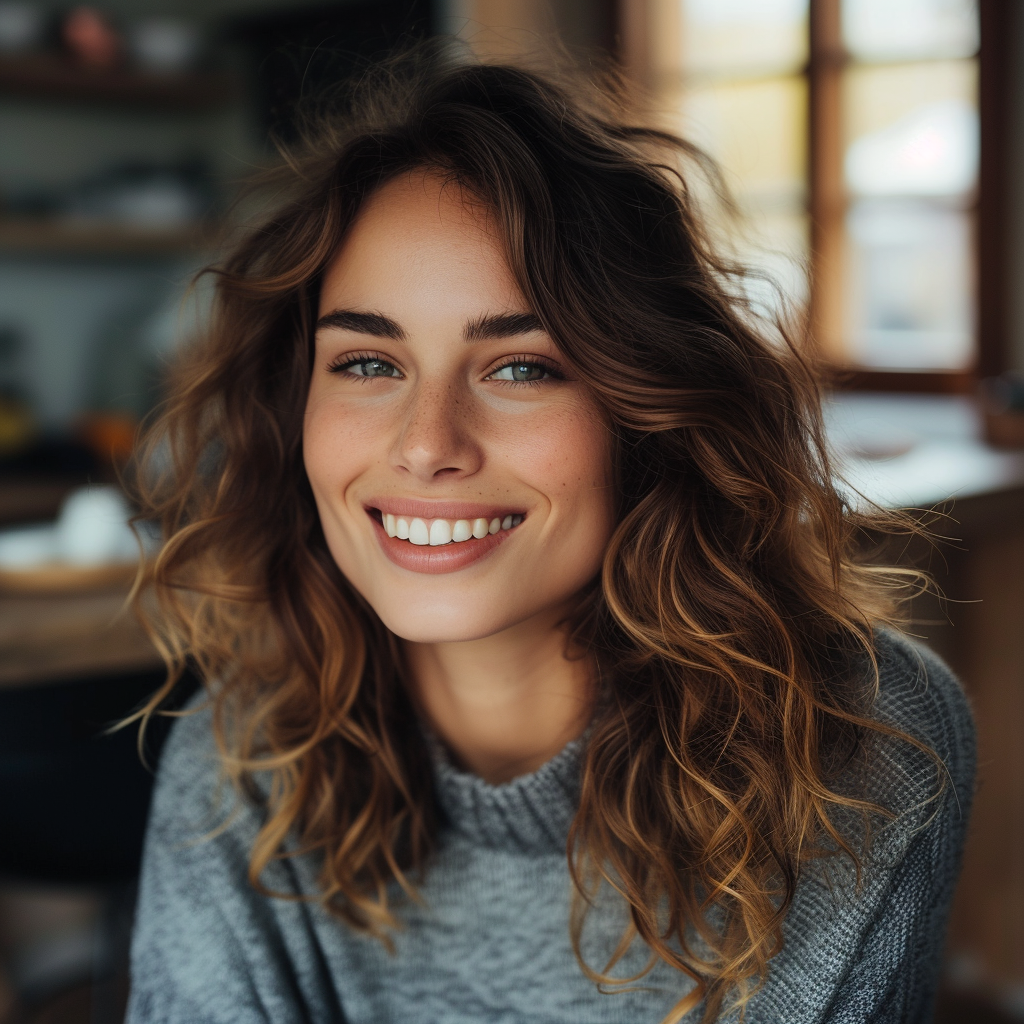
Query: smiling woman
[[536, 651]]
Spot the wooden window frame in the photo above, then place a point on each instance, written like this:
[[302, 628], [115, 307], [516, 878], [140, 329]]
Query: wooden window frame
[[827, 200], [828, 203], [1000, 27]]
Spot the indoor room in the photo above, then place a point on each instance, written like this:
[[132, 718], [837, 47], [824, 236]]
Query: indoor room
[[864, 202]]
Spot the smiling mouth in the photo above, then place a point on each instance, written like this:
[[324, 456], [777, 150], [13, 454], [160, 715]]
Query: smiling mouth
[[439, 532]]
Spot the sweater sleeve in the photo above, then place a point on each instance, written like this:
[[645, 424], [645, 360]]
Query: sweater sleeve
[[870, 953], [893, 977], [207, 948]]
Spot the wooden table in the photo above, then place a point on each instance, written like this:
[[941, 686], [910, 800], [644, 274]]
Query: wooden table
[[63, 636], [56, 637]]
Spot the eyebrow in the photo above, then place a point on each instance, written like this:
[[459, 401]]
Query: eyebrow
[[377, 324], [485, 328], [502, 325]]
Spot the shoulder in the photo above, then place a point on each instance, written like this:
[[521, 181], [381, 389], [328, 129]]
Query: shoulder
[[919, 695], [206, 944], [866, 944], [191, 794], [190, 751], [201, 823], [918, 767]]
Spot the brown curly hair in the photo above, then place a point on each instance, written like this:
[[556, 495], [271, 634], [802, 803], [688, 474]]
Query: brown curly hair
[[732, 623]]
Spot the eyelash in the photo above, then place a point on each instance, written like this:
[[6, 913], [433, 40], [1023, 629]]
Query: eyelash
[[343, 362], [525, 360], [350, 359]]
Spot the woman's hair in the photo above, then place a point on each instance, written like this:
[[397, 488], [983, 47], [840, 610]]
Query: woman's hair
[[732, 625]]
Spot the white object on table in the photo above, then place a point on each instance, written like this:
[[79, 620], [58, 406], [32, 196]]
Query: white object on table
[[92, 531]]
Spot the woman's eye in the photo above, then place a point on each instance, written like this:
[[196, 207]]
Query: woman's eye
[[521, 372], [367, 368]]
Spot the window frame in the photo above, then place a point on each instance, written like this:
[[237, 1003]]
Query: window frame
[[639, 26]]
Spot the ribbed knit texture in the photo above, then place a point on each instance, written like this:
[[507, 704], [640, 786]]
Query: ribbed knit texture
[[530, 814], [490, 942]]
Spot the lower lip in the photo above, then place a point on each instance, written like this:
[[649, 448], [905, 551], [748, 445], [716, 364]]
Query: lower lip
[[440, 559]]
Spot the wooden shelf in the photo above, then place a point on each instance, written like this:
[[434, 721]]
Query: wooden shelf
[[49, 76], [63, 238]]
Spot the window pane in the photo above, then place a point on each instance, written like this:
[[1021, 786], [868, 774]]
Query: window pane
[[901, 29], [909, 287], [743, 38], [775, 245], [912, 129], [756, 131]]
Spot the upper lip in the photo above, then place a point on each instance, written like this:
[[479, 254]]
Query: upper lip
[[416, 508]]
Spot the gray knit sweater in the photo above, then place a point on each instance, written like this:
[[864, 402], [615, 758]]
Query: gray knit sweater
[[490, 942]]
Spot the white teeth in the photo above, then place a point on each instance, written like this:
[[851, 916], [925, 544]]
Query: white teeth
[[440, 532]]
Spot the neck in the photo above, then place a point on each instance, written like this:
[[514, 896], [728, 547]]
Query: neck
[[504, 704]]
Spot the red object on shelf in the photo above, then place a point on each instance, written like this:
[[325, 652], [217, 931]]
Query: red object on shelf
[[90, 39]]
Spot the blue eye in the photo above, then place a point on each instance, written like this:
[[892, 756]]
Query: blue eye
[[522, 373], [367, 368]]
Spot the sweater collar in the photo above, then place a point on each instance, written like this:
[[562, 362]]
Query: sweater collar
[[529, 814]]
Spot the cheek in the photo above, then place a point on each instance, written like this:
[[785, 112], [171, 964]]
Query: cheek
[[568, 458], [335, 452], [318, 446], [335, 443], [573, 470]]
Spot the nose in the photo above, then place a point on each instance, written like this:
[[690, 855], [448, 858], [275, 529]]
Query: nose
[[436, 438]]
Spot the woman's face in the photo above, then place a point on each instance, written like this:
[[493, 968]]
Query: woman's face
[[462, 476]]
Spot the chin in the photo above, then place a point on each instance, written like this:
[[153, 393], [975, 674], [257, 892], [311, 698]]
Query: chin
[[444, 625]]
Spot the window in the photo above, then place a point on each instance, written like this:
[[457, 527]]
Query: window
[[848, 131]]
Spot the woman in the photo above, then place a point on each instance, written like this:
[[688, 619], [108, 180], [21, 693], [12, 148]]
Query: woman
[[505, 538]]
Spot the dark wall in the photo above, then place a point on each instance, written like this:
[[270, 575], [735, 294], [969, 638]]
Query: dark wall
[[298, 58]]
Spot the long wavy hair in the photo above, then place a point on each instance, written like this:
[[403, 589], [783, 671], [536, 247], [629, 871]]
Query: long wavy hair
[[732, 624]]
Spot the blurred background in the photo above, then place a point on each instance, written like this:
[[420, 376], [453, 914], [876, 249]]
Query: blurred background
[[874, 148]]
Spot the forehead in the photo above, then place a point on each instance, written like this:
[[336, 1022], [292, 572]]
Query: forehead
[[420, 233]]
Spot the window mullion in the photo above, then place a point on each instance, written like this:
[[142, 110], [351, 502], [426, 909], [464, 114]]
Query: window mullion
[[826, 191]]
